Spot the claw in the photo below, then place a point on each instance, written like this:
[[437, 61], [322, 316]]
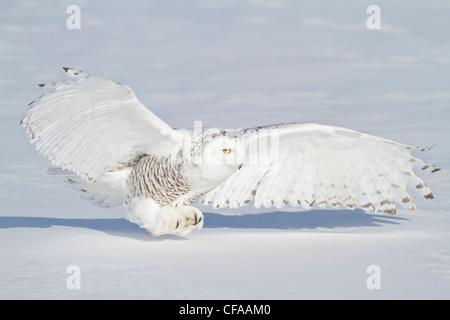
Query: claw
[[197, 220]]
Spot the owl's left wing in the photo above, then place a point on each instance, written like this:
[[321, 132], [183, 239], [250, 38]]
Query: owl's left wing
[[310, 164], [91, 126]]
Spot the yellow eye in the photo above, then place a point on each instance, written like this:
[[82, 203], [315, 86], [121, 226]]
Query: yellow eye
[[226, 151]]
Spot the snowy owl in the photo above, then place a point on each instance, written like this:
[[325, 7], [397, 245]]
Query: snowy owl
[[110, 146]]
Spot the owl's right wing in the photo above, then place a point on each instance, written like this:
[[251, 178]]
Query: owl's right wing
[[310, 164], [91, 126]]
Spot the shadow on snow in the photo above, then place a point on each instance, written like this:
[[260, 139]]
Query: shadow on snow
[[273, 220], [312, 219]]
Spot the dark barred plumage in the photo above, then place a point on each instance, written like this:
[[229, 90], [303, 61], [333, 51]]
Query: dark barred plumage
[[159, 178]]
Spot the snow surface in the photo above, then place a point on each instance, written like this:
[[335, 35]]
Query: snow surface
[[233, 64]]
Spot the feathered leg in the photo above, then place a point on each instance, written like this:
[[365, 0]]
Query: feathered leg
[[160, 220]]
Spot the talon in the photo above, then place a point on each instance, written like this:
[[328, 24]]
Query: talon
[[195, 219], [178, 223]]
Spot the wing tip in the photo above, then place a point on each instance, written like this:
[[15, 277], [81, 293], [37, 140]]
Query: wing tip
[[429, 196], [71, 72], [425, 149], [74, 73]]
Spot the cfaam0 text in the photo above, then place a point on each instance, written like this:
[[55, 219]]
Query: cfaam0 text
[[228, 309]]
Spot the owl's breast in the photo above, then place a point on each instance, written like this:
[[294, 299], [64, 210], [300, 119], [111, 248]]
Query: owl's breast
[[160, 179]]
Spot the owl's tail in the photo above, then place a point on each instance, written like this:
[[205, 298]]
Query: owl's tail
[[108, 190]]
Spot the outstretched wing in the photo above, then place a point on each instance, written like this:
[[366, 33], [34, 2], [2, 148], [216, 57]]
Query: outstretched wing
[[91, 126], [310, 164]]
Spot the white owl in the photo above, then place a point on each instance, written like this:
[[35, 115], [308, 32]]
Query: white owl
[[117, 151]]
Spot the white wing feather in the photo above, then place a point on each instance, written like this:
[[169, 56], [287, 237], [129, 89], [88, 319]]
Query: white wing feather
[[321, 165], [91, 126]]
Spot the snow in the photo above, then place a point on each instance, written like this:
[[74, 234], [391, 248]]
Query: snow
[[233, 64]]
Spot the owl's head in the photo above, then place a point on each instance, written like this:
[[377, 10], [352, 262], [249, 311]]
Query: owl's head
[[223, 150], [214, 156], [214, 147]]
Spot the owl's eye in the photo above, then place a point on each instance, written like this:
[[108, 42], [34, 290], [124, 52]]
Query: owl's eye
[[226, 151]]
